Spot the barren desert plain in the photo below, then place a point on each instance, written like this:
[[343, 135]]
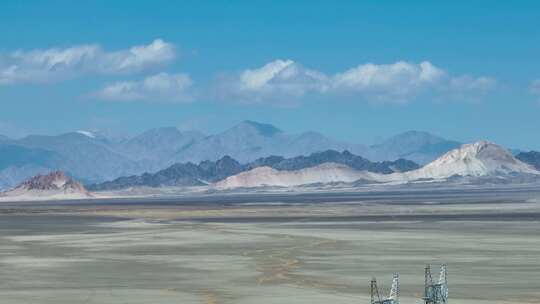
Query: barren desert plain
[[271, 248]]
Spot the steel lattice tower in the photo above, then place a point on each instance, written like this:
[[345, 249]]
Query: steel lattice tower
[[436, 292], [393, 298]]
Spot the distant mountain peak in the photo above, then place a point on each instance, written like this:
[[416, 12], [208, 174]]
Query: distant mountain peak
[[419, 146], [226, 159], [415, 133], [261, 128], [414, 136], [166, 132], [173, 130]]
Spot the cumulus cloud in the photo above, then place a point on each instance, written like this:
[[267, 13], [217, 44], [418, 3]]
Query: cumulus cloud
[[396, 82], [49, 65], [274, 80], [161, 87]]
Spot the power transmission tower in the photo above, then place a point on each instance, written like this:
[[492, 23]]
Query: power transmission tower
[[435, 292], [393, 298]]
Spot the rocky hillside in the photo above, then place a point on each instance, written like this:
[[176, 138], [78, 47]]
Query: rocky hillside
[[54, 184], [482, 158]]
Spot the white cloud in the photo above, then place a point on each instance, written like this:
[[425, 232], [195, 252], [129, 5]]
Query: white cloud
[[259, 78], [400, 79], [280, 78], [396, 82], [161, 87], [42, 66], [138, 57]]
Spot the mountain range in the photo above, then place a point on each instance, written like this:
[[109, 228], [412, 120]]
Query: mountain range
[[477, 160], [207, 172], [476, 163], [94, 158]]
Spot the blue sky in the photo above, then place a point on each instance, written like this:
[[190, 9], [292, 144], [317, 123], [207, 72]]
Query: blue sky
[[357, 71]]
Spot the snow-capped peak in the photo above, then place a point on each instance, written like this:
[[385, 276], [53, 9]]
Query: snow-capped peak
[[86, 133]]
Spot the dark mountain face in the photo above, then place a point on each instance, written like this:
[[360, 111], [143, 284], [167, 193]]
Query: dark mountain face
[[220, 169], [532, 158], [270, 161], [189, 174], [331, 156], [182, 174]]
